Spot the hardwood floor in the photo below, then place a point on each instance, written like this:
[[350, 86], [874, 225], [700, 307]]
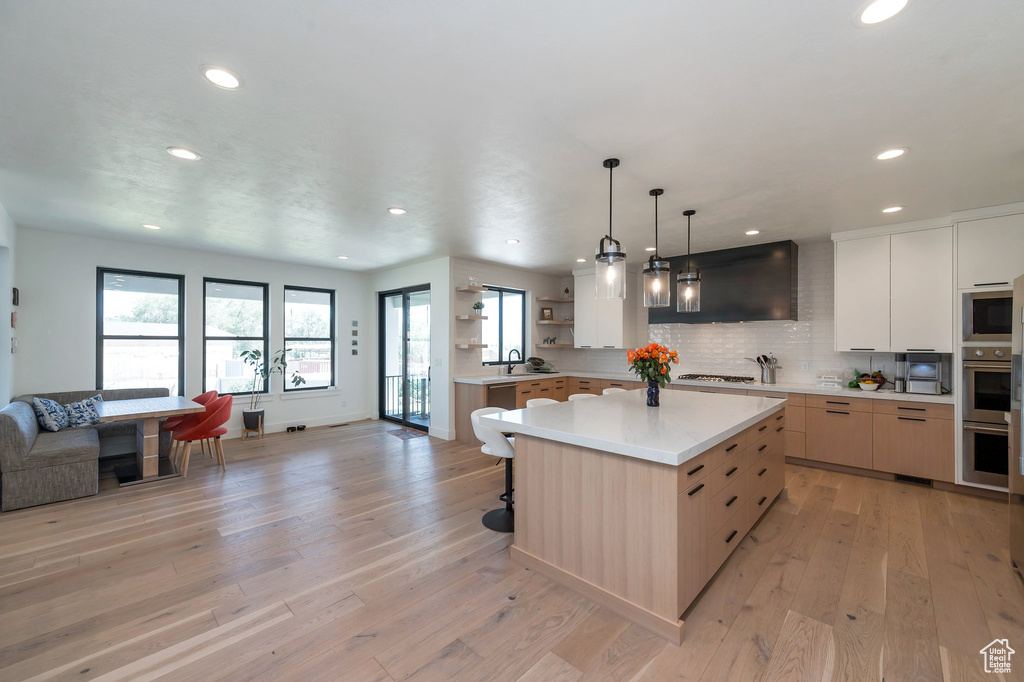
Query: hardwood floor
[[352, 554]]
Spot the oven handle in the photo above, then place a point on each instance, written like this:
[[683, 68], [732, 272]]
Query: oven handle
[[974, 364], [988, 428]]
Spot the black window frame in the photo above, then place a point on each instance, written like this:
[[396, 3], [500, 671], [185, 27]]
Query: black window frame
[[101, 337], [332, 339], [266, 327], [501, 324]]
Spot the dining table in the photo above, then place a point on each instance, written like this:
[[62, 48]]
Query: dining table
[[147, 413]]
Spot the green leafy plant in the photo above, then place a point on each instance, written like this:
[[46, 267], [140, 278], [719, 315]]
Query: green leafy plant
[[479, 305], [263, 368]]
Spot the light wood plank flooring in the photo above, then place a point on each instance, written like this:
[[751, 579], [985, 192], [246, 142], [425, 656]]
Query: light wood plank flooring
[[352, 554]]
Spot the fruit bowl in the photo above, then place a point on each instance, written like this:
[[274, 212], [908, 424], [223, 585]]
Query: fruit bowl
[[866, 386]]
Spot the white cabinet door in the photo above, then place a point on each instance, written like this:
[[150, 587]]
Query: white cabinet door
[[922, 291], [610, 313], [862, 294], [585, 312], [990, 251]]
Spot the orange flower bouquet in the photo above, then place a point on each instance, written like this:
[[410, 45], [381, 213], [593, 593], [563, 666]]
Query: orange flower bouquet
[[651, 363]]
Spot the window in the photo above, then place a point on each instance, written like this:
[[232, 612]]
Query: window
[[309, 336], [140, 323], [505, 326], [234, 320]]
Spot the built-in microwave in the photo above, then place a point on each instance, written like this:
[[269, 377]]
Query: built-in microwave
[[988, 316]]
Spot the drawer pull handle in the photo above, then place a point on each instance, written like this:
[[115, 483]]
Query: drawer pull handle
[[762, 500], [779, 429], [862, 349], [732, 447], [730, 472], [761, 449], [762, 428], [761, 472], [779, 417], [731, 536], [988, 284], [695, 490], [913, 409], [731, 500], [835, 412], [920, 350], [691, 472], [835, 402], [911, 419]]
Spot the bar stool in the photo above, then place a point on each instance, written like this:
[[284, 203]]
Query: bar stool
[[537, 402], [609, 391], [581, 396], [497, 445]]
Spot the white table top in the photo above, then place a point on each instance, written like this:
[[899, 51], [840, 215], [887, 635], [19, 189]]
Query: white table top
[[686, 424], [146, 408]]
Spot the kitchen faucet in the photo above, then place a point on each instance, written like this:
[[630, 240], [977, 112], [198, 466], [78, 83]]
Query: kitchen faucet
[[510, 358]]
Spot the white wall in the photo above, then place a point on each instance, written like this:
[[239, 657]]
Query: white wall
[[7, 282], [436, 273], [57, 319]]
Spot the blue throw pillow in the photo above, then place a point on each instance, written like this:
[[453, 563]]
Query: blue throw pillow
[[83, 412], [50, 414]]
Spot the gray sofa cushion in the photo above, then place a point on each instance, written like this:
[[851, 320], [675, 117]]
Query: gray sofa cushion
[[63, 447], [65, 397], [18, 432]]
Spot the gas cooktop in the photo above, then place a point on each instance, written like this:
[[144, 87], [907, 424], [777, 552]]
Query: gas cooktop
[[719, 378]]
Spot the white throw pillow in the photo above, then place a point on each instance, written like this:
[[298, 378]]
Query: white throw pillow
[[50, 415], [83, 412]]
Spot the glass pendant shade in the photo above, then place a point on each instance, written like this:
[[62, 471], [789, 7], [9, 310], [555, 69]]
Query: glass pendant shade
[[688, 292], [610, 270], [657, 283]]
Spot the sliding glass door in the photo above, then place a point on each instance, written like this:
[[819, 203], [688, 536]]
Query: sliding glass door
[[404, 373]]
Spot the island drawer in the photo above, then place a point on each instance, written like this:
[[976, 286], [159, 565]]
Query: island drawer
[[693, 471], [728, 472], [906, 408], [763, 497], [772, 443], [764, 470], [725, 504], [734, 445], [827, 402], [793, 399], [728, 538]]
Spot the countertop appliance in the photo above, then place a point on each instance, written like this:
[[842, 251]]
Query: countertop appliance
[[1016, 457], [717, 378], [924, 373], [537, 365], [987, 316], [986, 400]]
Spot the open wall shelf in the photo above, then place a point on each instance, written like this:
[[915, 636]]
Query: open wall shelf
[[561, 322], [470, 290], [555, 299], [470, 317]]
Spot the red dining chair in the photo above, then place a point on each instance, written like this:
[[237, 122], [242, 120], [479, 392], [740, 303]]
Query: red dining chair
[[172, 423], [209, 424]]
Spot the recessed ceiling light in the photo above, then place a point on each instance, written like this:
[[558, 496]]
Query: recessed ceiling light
[[581, 260], [889, 154], [877, 11], [511, 241], [892, 209], [182, 153], [343, 257], [222, 78], [650, 248], [150, 227], [751, 233], [394, 210]]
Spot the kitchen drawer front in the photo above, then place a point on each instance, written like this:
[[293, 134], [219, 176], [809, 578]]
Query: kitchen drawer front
[[730, 471], [546, 392], [618, 383], [839, 436], [726, 503], [560, 393], [693, 543], [532, 384], [763, 470], [914, 446], [727, 449], [796, 418], [524, 394], [767, 426], [795, 444], [577, 385], [728, 538], [827, 402], [793, 399], [906, 408], [763, 497], [693, 471]]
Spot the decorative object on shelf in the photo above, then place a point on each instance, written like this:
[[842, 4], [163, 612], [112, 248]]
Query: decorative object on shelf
[[477, 307], [262, 369], [657, 272], [564, 293], [474, 282], [688, 280], [547, 314], [610, 259], [651, 363]]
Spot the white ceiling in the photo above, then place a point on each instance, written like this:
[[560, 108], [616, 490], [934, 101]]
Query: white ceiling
[[490, 120]]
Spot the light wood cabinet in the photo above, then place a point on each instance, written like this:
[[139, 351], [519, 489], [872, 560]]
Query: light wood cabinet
[[693, 542], [580, 385], [839, 435], [603, 323], [862, 294], [796, 444], [921, 281], [620, 383], [988, 251], [913, 444]]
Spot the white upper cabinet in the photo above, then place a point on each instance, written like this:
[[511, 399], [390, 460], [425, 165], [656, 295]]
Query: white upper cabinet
[[862, 294], [921, 284], [990, 252], [603, 323]]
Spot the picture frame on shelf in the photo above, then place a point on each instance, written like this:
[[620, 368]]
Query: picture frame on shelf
[[547, 314]]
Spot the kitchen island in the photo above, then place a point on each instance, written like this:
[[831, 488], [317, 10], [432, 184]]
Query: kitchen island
[[634, 507]]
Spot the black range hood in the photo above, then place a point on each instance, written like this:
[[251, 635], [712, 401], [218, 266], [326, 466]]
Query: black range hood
[[745, 284]]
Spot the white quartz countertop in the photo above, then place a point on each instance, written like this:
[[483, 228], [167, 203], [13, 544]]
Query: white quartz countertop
[[781, 387], [686, 424]]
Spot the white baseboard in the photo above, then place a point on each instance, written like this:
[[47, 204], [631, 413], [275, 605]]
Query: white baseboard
[[235, 431]]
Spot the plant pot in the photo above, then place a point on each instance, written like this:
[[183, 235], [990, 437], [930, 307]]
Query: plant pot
[[653, 394], [252, 420]]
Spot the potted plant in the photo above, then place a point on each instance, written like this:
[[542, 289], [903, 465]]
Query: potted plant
[[262, 369], [477, 307], [651, 363]]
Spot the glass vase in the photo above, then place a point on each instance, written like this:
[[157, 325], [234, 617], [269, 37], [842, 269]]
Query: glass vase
[[653, 394]]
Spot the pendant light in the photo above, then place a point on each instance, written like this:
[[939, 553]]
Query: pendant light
[[657, 272], [688, 280], [610, 259]]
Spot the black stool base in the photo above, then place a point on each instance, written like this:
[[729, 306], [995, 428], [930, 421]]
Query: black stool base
[[501, 520]]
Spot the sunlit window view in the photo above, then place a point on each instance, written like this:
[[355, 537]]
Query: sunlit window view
[[405, 357], [235, 319], [309, 336], [141, 331], [503, 330]]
